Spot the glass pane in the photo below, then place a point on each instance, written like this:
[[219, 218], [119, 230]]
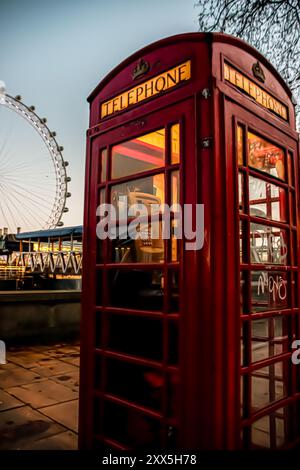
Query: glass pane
[[173, 394], [261, 432], [130, 427], [293, 208], [175, 242], [269, 290], [136, 289], [137, 155], [138, 242], [140, 250], [265, 156], [243, 344], [268, 244], [143, 336], [294, 249], [243, 396], [270, 431], [175, 199], [175, 195], [174, 291], [103, 165], [139, 384], [175, 144], [100, 244], [243, 250], [240, 146], [290, 168], [269, 337], [267, 200], [241, 192], [144, 191], [173, 345], [99, 288], [268, 385], [243, 286], [98, 372]]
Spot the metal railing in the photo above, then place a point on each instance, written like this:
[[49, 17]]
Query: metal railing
[[58, 262]]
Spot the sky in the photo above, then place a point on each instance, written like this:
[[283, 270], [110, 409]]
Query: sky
[[54, 53]]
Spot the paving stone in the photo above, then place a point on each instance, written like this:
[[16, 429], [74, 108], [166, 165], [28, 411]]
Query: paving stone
[[13, 376], [64, 351], [75, 360], [26, 358], [7, 401], [63, 441], [22, 426], [43, 393], [64, 413], [69, 379], [8, 365], [44, 348], [53, 367]]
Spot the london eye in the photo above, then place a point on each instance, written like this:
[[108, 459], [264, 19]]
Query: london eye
[[33, 174]]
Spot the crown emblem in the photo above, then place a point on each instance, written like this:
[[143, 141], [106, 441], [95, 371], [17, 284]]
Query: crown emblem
[[141, 68], [258, 72]]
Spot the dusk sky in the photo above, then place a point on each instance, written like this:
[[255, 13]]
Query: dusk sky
[[55, 52]]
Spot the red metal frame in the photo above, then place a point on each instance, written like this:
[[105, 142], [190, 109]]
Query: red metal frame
[[207, 412]]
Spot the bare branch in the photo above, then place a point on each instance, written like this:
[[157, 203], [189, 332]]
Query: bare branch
[[271, 26]]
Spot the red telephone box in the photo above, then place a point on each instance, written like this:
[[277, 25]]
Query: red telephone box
[[192, 348]]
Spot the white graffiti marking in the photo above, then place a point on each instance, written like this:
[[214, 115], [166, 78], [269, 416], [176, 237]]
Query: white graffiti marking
[[274, 285]]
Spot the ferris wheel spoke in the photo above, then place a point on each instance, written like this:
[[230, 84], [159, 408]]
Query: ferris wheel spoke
[[33, 182], [29, 176], [30, 212], [36, 204], [23, 213], [18, 211], [39, 208], [3, 150], [22, 165], [3, 215], [37, 197], [9, 211]]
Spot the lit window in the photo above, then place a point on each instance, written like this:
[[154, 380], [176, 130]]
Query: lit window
[[175, 144], [144, 153], [265, 156]]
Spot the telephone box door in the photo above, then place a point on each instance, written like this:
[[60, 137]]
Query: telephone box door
[[138, 284]]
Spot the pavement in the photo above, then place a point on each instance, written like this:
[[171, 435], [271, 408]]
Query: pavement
[[39, 398]]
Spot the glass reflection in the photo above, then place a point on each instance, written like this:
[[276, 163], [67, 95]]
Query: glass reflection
[[269, 431], [138, 384], [265, 156], [143, 153], [269, 290], [267, 200], [268, 385], [131, 427], [268, 244], [175, 144], [269, 337], [146, 191], [103, 165], [146, 195], [241, 191], [240, 146], [136, 289]]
